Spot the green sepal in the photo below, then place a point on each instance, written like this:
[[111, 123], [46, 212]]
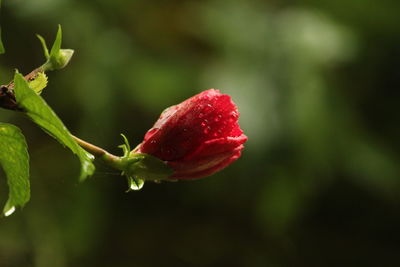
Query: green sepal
[[57, 58], [146, 167], [126, 148], [142, 166]]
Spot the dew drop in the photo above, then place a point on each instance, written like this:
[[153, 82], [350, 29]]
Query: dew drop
[[203, 124], [135, 183], [218, 118], [207, 130], [201, 115], [9, 211], [233, 116], [208, 108], [205, 97]]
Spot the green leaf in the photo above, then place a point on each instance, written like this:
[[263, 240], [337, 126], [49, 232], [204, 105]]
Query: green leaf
[[37, 109], [38, 83], [14, 159], [58, 58]]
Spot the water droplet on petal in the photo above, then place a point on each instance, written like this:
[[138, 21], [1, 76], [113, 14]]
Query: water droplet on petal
[[208, 108], [205, 97], [9, 211], [233, 116], [218, 118], [201, 115], [203, 124]]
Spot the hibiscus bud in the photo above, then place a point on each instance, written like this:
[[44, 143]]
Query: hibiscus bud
[[197, 137]]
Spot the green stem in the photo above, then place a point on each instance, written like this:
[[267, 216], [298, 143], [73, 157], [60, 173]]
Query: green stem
[[98, 152]]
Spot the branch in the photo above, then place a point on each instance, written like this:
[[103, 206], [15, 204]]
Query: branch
[[7, 95]]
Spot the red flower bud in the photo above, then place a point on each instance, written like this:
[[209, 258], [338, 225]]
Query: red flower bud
[[197, 137]]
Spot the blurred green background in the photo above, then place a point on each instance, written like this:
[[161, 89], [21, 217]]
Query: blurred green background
[[317, 84]]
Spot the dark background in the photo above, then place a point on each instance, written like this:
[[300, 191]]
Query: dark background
[[317, 83]]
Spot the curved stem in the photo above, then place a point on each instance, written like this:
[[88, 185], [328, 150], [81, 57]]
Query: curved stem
[[95, 150], [98, 152]]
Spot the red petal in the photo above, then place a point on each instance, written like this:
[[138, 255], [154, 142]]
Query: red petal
[[193, 173], [183, 128], [216, 146], [208, 157]]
